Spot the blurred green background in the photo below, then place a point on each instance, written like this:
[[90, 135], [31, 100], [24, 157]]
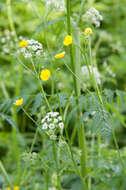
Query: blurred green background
[[109, 53]]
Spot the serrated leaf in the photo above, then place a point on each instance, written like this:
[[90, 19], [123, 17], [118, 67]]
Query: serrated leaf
[[101, 122], [109, 95]]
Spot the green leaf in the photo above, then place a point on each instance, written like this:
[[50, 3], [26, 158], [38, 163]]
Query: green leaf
[[101, 122], [46, 25], [9, 120], [37, 103]]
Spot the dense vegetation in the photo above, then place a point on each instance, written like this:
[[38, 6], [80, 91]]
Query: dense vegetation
[[62, 95]]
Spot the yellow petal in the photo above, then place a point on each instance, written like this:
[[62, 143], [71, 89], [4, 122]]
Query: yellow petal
[[18, 102], [45, 74], [23, 43], [60, 55], [68, 40]]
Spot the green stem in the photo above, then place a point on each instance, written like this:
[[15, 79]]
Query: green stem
[[82, 144], [17, 89], [5, 175], [56, 162], [92, 152], [33, 143], [81, 11], [70, 149], [10, 18], [117, 147], [47, 180], [42, 90], [81, 133], [71, 48], [93, 75]]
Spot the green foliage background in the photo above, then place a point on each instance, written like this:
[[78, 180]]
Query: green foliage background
[[17, 130]]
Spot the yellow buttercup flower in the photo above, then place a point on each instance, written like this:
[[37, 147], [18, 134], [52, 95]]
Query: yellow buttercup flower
[[18, 102], [60, 55], [23, 43], [68, 40], [88, 31], [45, 74], [15, 188]]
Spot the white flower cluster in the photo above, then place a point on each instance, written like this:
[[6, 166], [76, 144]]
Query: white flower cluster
[[7, 42], [85, 72], [93, 16], [34, 48], [52, 124], [31, 157], [58, 4]]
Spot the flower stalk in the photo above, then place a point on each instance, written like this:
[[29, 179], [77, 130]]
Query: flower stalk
[[56, 162]]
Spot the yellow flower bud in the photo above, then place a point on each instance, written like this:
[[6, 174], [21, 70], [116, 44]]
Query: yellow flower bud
[[88, 31]]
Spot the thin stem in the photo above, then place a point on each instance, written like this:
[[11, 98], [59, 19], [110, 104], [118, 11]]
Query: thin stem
[[47, 180], [92, 152], [10, 18], [94, 81], [56, 162], [33, 142], [42, 90], [70, 149], [5, 175], [117, 147], [81, 11]]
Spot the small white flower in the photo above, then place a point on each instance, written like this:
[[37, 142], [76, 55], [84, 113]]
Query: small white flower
[[43, 120], [34, 48], [45, 126], [60, 118], [93, 16], [85, 72], [61, 126], [27, 55], [51, 126], [55, 114], [55, 120], [58, 4], [47, 116], [39, 46], [38, 53], [49, 119]]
